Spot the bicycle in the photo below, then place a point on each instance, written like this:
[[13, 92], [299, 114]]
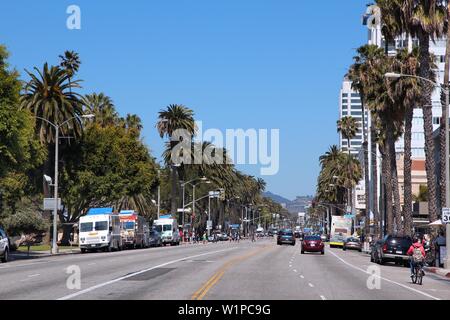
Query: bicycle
[[418, 274]]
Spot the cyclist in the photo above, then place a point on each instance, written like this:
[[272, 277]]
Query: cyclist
[[417, 253]]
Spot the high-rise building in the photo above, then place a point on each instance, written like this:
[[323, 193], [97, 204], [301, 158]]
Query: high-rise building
[[350, 105]]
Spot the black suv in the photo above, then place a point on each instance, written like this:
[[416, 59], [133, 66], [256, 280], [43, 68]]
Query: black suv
[[286, 236], [391, 249]]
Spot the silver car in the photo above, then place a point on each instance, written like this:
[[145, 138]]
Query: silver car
[[4, 246]]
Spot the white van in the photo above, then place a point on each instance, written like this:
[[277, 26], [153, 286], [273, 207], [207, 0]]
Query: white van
[[100, 229], [168, 228]]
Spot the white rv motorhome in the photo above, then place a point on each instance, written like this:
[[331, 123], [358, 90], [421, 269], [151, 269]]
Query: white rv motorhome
[[168, 228], [100, 229]]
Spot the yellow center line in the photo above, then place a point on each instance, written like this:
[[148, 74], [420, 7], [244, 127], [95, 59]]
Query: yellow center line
[[200, 293]]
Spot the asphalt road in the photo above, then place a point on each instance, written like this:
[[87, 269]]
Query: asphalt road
[[215, 271]]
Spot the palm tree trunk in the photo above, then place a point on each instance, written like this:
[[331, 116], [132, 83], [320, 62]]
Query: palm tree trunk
[[394, 178], [376, 213], [173, 191], [366, 169], [407, 163], [442, 133], [427, 89], [387, 178]]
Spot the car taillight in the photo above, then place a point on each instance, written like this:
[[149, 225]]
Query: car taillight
[[385, 248]]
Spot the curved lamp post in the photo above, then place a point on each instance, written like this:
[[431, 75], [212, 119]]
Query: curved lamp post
[[55, 210]]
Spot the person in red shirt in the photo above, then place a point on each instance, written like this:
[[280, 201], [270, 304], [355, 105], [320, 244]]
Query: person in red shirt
[[417, 253]]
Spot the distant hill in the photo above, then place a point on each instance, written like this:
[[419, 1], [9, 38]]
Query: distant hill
[[294, 206], [278, 199]]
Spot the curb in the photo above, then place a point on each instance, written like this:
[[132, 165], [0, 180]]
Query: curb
[[439, 271]]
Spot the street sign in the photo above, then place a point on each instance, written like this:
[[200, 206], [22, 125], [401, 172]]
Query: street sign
[[49, 204], [446, 215], [185, 210], [209, 224]]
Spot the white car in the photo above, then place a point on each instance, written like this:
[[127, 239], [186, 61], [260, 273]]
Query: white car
[[4, 246]]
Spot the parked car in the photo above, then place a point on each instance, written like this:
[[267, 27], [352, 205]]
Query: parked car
[[286, 236], [312, 244], [324, 238], [391, 249], [352, 244], [155, 238], [4, 246]]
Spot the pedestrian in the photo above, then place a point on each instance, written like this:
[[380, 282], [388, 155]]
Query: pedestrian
[[204, 238]]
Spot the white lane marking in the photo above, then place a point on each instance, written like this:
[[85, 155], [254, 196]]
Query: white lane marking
[[91, 264], [311, 285], [391, 281], [70, 296], [295, 270], [302, 276], [34, 275], [323, 298]]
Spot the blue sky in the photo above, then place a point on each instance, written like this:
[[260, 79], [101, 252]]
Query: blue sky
[[264, 64]]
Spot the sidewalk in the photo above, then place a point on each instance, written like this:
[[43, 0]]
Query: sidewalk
[[20, 255], [438, 271]]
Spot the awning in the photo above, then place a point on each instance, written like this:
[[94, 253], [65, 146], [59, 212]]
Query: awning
[[436, 223]]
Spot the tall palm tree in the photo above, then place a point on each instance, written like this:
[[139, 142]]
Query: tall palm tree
[[445, 117], [348, 127], [407, 91], [425, 19], [357, 74], [173, 118], [48, 95], [70, 62]]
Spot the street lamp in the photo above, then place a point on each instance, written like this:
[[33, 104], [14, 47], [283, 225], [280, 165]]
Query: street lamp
[[445, 89], [55, 211]]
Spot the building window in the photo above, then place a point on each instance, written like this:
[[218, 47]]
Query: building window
[[436, 120], [355, 95], [357, 101]]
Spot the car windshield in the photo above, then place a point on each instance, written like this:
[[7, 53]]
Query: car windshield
[[352, 240], [286, 233], [158, 228], [167, 227], [101, 225], [312, 238], [86, 226], [128, 225]]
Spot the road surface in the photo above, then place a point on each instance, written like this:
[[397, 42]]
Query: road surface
[[214, 271]]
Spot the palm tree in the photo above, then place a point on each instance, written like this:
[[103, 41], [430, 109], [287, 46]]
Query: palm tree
[[445, 116], [48, 95], [407, 91], [348, 127], [175, 117], [424, 19], [70, 62], [102, 107], [358, 76], [133, 122]]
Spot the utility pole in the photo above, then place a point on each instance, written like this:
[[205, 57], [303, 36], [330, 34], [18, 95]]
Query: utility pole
[[159, 192], [55, 212]]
